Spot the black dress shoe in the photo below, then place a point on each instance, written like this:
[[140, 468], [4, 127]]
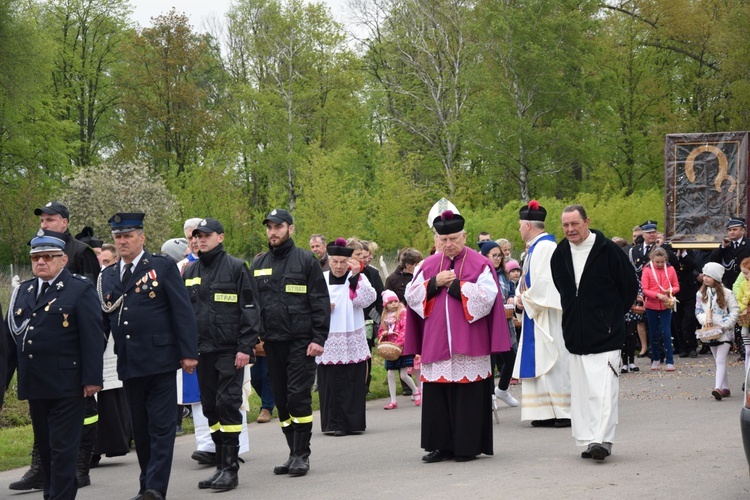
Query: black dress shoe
[[550, 422], [139, 496], [598, 452], [152, 495], [562, 422], [693, 354], [437, 456], [684, 354], [587, 453], [635, 369], [465, 458], [204, 457]]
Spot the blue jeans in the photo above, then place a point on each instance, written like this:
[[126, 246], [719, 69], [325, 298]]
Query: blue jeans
[[660, 328], [261, 384]]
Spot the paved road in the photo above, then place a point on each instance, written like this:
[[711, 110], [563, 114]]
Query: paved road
[[673, 441]]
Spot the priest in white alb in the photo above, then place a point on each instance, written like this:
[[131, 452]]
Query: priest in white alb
[[542, 359]]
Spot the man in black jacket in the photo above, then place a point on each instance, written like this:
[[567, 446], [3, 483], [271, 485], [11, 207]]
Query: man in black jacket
[[295, 312], [597, 286], [219, 288]]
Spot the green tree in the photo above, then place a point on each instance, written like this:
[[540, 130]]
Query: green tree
[[292, 90], [33, 148], [529, 129], [87, 35], [419, 53], [170, 83]]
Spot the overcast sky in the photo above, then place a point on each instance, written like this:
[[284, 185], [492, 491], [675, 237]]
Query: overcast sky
[[199, 11]]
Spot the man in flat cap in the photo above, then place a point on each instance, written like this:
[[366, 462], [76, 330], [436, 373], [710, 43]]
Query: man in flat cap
[[455, 320], [57, 327], [149, 313], [219, 288], [82, 260], [542, 359], [295, 312]]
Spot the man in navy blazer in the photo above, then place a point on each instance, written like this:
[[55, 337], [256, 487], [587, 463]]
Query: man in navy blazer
[[149, 313], [57, 328]]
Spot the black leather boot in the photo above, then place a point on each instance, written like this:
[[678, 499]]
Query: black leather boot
[[206, 483], [33, 479], [228, 480], [85, 452], [301, 462], [82, 467], [289, 435]]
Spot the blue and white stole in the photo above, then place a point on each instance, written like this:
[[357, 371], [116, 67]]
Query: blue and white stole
[[528, 346]]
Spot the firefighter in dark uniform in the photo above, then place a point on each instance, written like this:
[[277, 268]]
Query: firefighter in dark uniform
[[148, 311], [54, 216], [57, 327], [219, 288], [295, 312]]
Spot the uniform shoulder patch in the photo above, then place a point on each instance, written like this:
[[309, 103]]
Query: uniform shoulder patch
[[80, 278]]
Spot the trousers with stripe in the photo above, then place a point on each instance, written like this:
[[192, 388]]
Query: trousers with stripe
[[292, 374], [221, 394]]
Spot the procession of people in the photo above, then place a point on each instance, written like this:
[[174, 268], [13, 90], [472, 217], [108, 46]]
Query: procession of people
[[316, 315]]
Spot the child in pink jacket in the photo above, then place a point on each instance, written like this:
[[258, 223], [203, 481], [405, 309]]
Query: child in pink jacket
[[660, 285], [392, 329]]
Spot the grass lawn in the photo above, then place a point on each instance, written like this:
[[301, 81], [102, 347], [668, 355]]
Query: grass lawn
[[16, 435]]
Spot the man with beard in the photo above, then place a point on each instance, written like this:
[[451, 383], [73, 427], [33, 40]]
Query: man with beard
[[295, 312]]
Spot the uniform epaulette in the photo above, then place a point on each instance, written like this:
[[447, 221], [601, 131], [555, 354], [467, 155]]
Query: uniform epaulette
[[162, 256], [29, 281], [80, 277]]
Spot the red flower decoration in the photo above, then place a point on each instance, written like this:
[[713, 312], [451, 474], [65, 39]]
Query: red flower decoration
[[447, 215], [534, 205]]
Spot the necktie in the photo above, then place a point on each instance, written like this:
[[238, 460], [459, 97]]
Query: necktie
[[44, 288], [736, 244], [127, 274]]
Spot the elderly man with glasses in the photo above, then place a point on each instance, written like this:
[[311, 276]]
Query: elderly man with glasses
[[56, 323]]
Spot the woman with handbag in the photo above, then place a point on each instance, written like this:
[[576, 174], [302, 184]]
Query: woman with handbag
[[659, 282], [716, 310]]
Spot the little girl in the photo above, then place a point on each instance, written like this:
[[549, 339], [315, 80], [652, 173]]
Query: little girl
[[715, 305], [392, 329]]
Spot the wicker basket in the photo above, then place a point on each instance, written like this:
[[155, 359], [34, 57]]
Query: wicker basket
[[708, 333], [389, 351]]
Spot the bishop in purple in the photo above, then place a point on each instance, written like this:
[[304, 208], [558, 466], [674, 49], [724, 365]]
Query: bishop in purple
[[455, 321]]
